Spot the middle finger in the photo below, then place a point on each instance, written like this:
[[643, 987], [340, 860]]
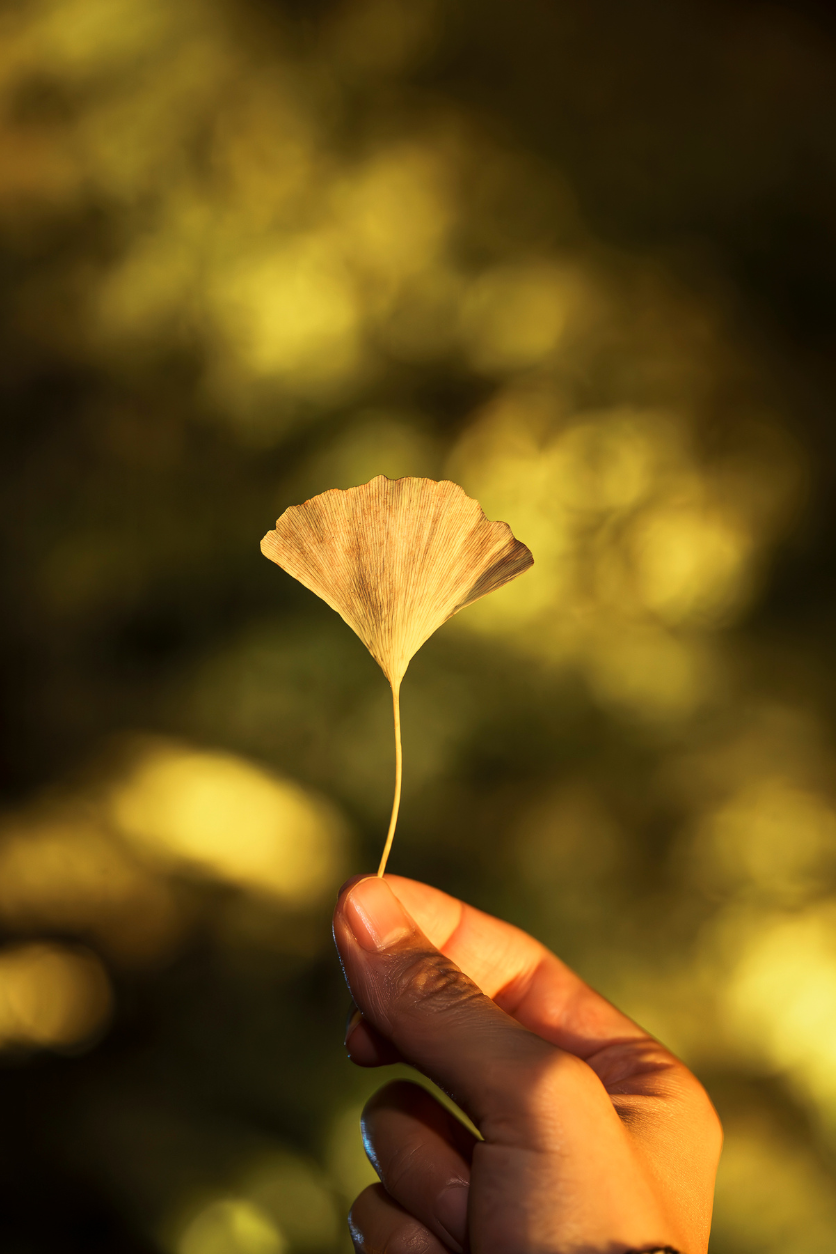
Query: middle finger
[[422, 1154]]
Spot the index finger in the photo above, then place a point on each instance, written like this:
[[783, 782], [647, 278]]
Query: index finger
[[524, 978]]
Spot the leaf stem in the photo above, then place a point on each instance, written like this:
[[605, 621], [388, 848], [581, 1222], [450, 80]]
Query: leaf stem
[[396, 804]]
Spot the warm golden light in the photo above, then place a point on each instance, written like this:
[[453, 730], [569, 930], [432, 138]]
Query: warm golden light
[[65, 871], [51, 997], [513, 317], [281, 1202], [255, 251], [293, 314], [298, 1197], [771, 837], [232, 1226], [226, 818], [754, 1211], [635, 540], [780, 1001]]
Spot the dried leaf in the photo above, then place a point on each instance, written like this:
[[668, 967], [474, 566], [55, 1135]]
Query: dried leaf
[[396, 558]]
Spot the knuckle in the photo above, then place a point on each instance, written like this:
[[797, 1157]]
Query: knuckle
[[557, 1075], [433, 980], [530, 1110], [545, 1068]]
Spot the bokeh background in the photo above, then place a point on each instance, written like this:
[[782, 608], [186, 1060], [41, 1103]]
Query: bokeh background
[[579, 257]]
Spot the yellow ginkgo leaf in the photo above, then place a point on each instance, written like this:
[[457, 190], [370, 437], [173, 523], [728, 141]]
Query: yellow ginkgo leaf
[[396, 558]]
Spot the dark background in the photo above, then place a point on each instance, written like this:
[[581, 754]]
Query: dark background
[[579, 258]]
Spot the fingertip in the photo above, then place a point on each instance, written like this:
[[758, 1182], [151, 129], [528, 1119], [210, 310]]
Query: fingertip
[[367, 1048], [351, 881], [374, 915]]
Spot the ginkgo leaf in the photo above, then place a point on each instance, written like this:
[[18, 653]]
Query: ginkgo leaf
[[396, 558]]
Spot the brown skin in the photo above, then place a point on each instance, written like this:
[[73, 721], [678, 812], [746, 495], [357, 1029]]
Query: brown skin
[[596, 1140]]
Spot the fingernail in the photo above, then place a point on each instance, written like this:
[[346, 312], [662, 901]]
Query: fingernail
[[375, 915], [354, 1017], [352, 879], [451, 1212]]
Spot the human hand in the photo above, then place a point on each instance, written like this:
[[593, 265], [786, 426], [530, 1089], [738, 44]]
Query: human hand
[[596, 1140]]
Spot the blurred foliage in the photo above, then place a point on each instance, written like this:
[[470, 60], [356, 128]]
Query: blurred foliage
[[579, 258]]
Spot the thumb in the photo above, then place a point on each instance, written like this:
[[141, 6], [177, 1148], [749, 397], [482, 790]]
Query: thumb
[[434, 1015]]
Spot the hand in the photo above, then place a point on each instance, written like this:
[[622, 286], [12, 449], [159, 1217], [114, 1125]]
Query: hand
[[596, 1140]]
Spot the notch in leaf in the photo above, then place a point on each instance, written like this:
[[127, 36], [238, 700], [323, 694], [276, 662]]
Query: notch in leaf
[[396, 558]]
